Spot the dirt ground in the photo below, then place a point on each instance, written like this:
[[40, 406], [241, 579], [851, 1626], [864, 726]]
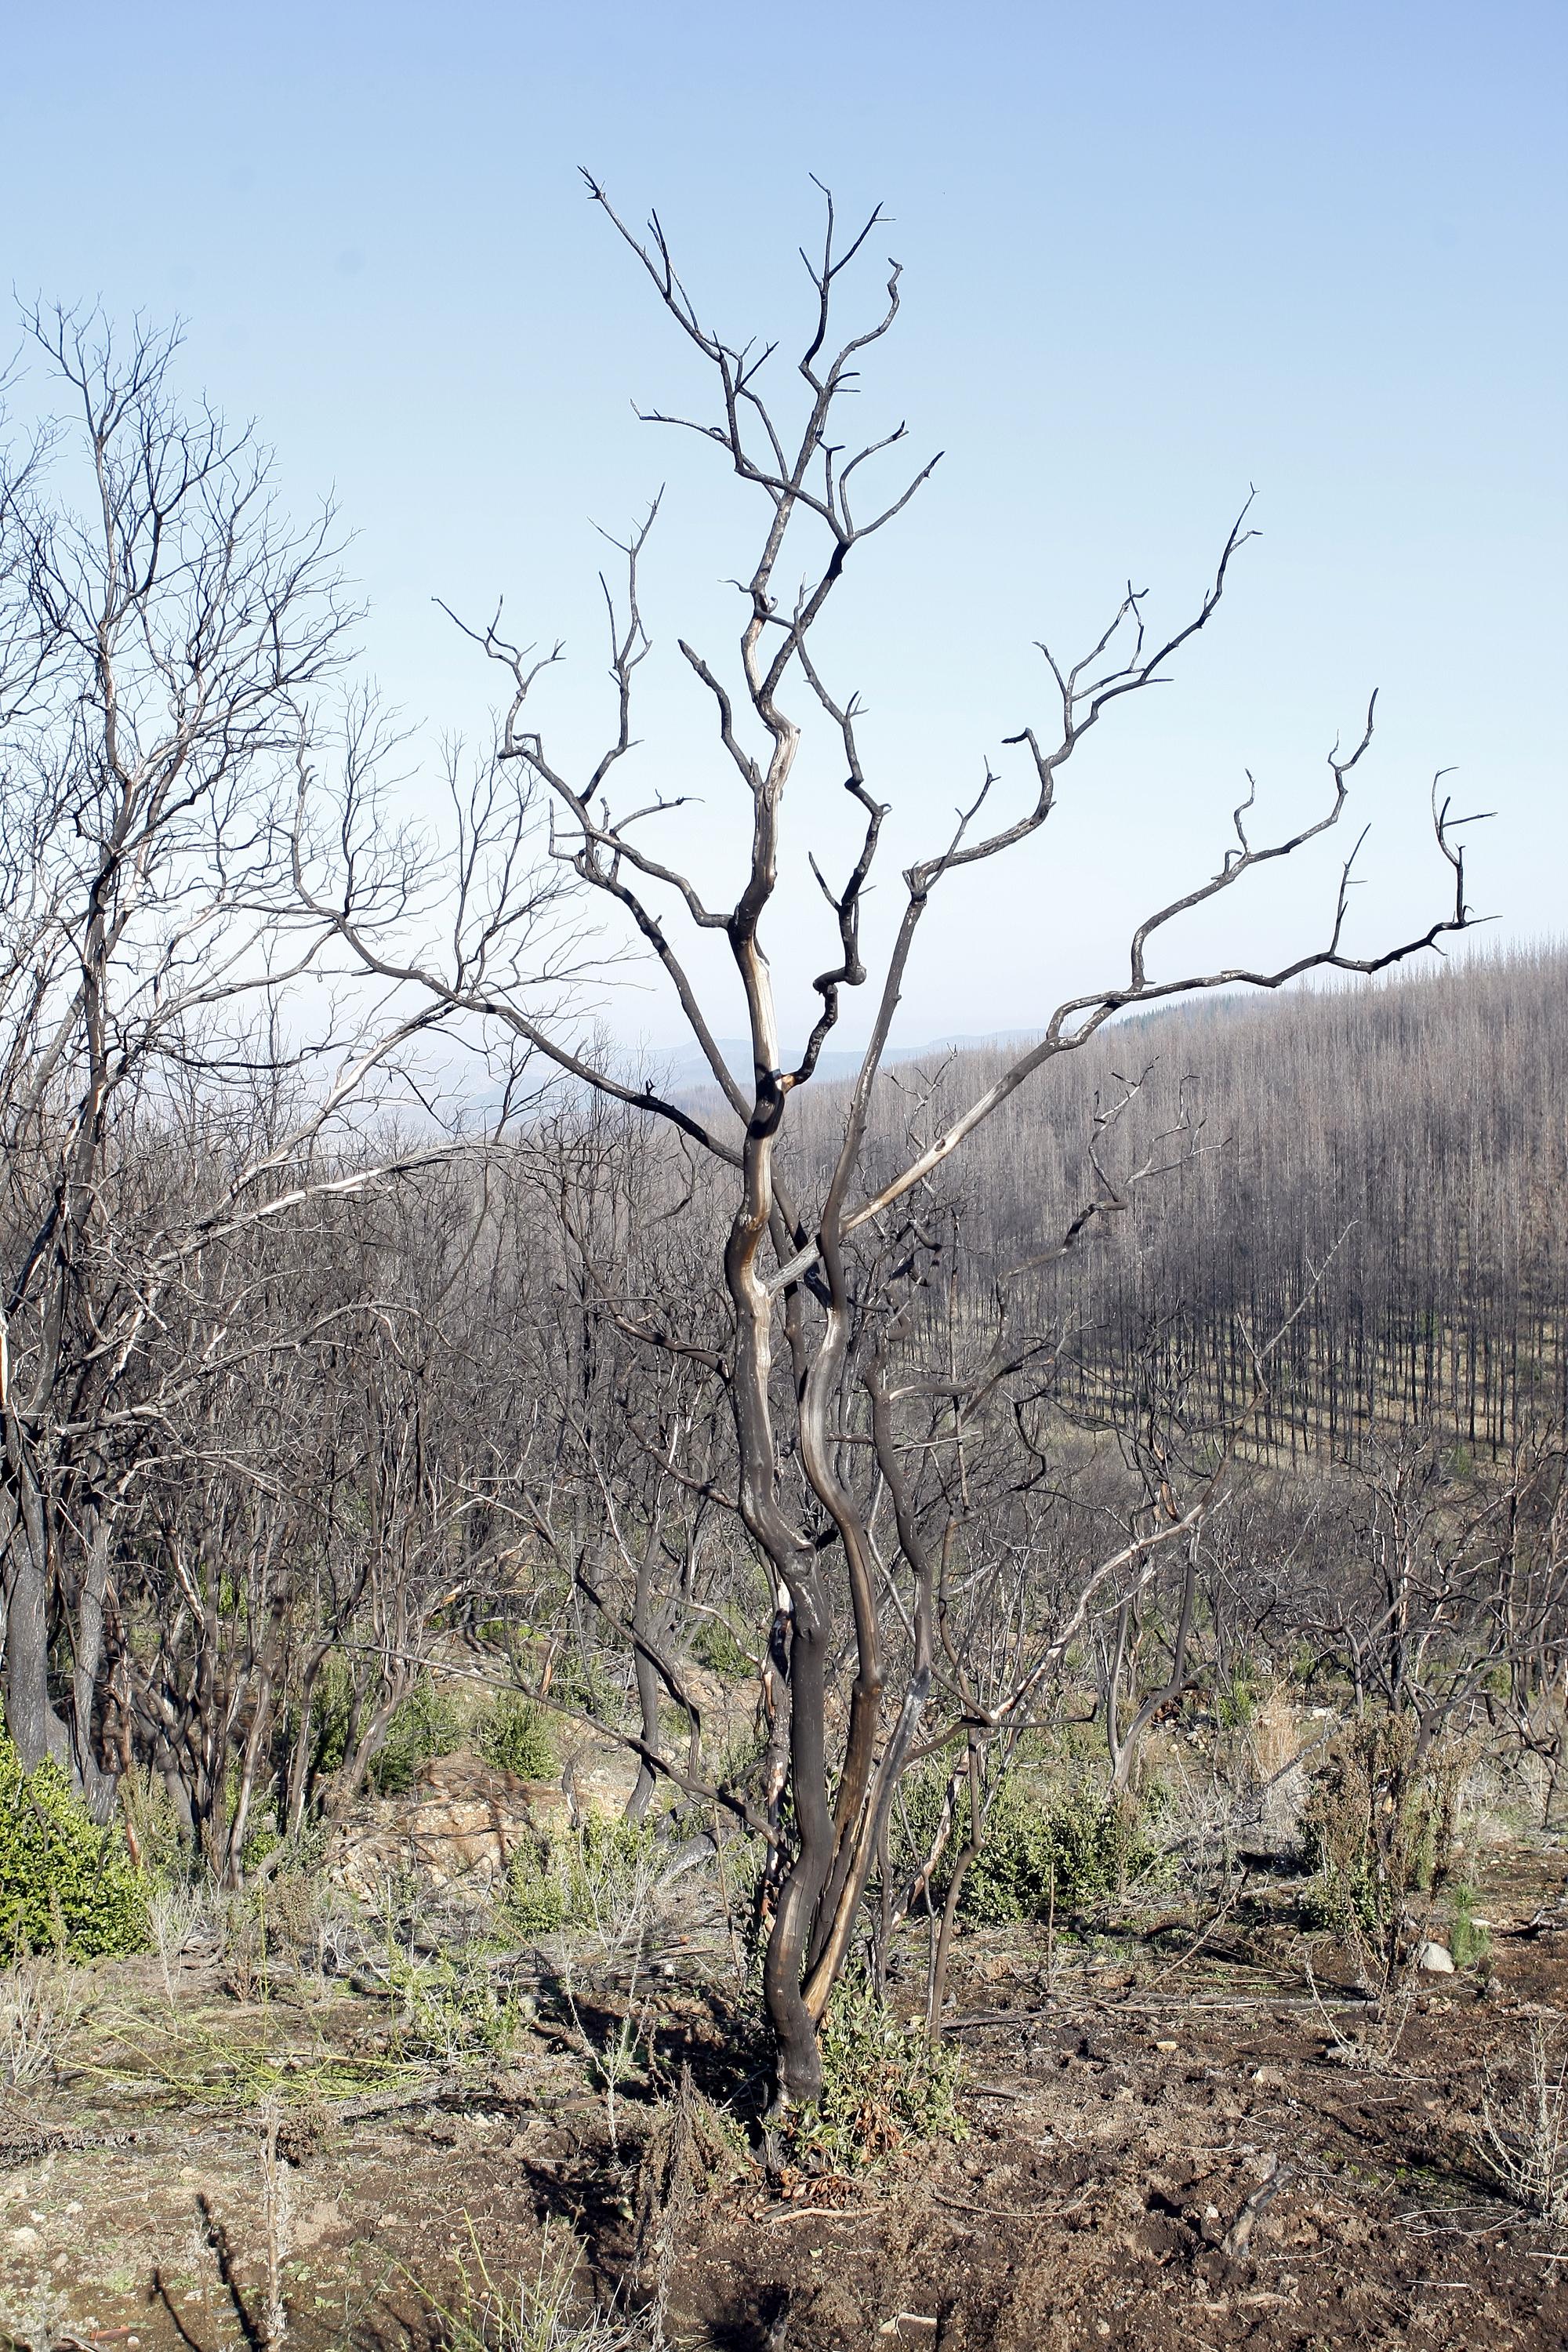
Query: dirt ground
[[1165, 2147]]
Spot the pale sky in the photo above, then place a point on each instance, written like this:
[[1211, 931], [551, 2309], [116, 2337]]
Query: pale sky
[[1152, 256]]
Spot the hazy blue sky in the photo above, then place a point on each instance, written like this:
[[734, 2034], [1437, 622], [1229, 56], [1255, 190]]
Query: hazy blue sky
[[1151, 255]]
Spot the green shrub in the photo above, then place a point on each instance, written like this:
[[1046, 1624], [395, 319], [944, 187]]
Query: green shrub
[[262, 1837], [515, 1736], [1237, 1702], [66, 1885], [615, 1859], [452, 2010], [332, 1711], [885, 2086], [1071, 1849], [720, 1648], [161, 1844], [584, 1685], [535, 1902], [1074, 1852], [1079, 1738], [1010, 1877], [600, 1876], [1305, 1663], [734, 1763], [427, 1723], [674, 1728], [1469, 1941]]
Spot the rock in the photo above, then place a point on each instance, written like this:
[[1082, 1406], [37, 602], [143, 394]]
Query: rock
[[599, 1778], [1436, 1959], [462, 1822], [459, 1825]]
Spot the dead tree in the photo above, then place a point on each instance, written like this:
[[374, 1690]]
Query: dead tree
[[171, 1069], [807, 1254]]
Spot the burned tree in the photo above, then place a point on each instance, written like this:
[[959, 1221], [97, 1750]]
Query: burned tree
[[173, 1073], [819, 1260]]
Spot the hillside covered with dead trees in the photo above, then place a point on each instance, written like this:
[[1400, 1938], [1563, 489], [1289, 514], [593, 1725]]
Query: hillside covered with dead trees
[[534, 1593]]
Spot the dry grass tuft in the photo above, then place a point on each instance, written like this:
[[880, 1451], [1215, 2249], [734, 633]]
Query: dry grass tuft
[[1523, 2130]]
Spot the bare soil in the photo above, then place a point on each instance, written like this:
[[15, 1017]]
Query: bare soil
[[1165, 2147]]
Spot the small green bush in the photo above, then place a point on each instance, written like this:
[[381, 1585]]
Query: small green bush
[[1238, 1701], [66, 1885], [734, 1763], [1079, 1738], [1010, 1877], [1304, 1662], [615, 1858], [1469, 1941], [425, 1724], [599, 1876], [1070, 1849], [720, 1648], [584, 1685], [164, 1848], [452, 2010], [332, 1711], [264, 1837], [1075, 1852], [535, 1902], [515, 1737], [884, 2087]]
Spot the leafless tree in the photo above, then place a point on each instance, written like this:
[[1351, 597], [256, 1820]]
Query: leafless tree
[[810, 1264], [173, 1065]]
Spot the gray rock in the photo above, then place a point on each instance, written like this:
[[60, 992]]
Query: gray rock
[[460, 1824], [1436, 1959]]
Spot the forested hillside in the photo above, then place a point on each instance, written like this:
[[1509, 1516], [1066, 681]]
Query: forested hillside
[[1386, 1163]]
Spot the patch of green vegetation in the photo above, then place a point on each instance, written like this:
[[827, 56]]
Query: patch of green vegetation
[[452, 2010], [583, 1685], [1079, 1739], [1237, 1702], [66, 1885], [427, 1723], [1305, 1661], [734, 1764], [535, 1900], [674, 1728], [720, 1648], [201, 2063], [264, 1839], [162, 1843], [886, 2087], [1378, 1826], [543, 2313], [332, 1711], [515, 1736], [596, 1876], [1063, 1851], [1469, 1942]]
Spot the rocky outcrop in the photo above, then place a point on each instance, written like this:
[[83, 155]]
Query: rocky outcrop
[[459, 1825]]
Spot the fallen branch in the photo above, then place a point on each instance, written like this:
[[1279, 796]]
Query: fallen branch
[[1234, 2242]]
